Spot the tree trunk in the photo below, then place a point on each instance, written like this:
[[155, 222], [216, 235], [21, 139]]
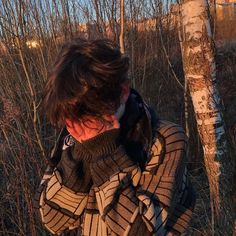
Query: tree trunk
[[200, 74], [122, 15]]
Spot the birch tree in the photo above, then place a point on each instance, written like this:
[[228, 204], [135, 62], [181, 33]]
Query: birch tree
[[200, 73]]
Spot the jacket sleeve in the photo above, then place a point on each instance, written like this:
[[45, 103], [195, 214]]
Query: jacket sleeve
[[127, 197], [165, 177], [60, 207], [125, 207], [115, 192]]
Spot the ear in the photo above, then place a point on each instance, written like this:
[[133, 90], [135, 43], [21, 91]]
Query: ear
[[125, 91]]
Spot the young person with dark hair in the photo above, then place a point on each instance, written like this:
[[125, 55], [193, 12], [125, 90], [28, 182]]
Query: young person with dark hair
[[116, 169]]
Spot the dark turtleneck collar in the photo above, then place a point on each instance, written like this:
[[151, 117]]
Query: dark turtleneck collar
[[102, 144]]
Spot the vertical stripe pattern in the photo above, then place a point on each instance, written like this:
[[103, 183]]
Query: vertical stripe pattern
[[123, 200]]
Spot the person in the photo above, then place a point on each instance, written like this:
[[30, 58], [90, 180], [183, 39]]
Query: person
[[116, 168]]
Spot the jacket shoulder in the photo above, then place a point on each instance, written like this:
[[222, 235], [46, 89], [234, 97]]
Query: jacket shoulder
[[168, 137], [170, 133], [167, 128]]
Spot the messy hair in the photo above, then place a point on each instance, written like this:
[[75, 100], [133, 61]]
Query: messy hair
[[85, 81]]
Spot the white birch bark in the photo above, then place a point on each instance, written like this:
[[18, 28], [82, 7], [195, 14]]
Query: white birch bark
[[200, 73]]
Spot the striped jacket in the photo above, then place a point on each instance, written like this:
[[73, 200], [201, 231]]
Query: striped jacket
[[123, 200]]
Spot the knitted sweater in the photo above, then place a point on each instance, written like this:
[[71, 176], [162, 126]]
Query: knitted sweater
[[96, 188]]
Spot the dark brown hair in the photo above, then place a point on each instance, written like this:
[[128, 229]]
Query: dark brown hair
[[85, 81]]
